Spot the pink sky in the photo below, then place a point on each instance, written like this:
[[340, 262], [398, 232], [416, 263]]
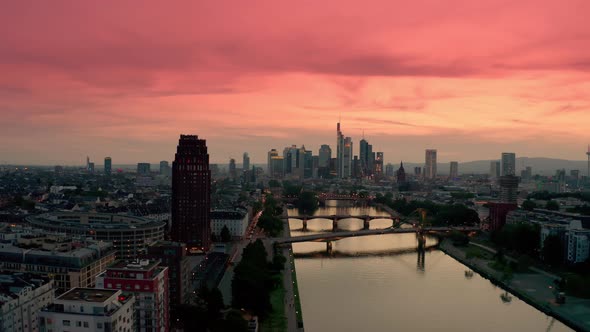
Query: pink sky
[[126, 78]]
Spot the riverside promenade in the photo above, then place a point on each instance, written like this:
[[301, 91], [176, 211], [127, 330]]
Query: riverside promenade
[[536, 288], [288, 282]]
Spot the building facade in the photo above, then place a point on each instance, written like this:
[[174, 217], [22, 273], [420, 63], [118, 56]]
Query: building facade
[[430, 164], [89, 309], [143, 169], [173, 255], [148, 282], [191, 194], [508, 163], [108, 166], [454, 171], [22, 295], [235, 221]]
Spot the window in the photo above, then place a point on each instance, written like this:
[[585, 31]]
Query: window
[[86, 324], [99, 325], [78, 323], [65, 323]]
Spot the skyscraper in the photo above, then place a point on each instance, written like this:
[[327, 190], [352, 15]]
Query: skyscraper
[[325, 154], [339, 152], [379, 164], [108, 166], [164, 168], [454, 172], [389, 170], [232, 169], [508, 163], [401, 173], [430, 164], [246, 162], [588, 154], [508, 189], [191, 201], [366, 157], [271, 153], [347, 158], [495, 169]]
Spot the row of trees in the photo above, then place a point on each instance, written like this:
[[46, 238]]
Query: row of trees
[[530, 205], [255, 278], [270, 220]]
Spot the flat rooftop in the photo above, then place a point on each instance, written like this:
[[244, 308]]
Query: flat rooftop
[[126, 265], [88, 295]]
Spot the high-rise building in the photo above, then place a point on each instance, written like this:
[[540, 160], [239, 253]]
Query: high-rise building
[[379, 164], [232, 169], [366, 157], [143, 169], [271, 153], [389, 170], [22, 296], [91, 167], [165, 168], [454, 172], [148, 281], [401, 173], [588, 154], [246, 162], [90, 309], [347, 158], [173, 256], [508, 163], [417, 171], [277, 167], [495, 169], [108, 166], [307, 163], [87, 163], [508, 189], [325, 154], [526, 174], [430, 164], [191, 200], [356, 167], [340, 152]]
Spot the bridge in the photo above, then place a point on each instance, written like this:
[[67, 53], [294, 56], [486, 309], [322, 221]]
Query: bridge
[[336, 217], [328, 237]]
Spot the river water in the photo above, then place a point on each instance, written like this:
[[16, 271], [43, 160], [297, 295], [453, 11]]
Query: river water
[[380, 283]]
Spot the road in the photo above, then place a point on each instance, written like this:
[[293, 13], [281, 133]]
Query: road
[[290, 308]]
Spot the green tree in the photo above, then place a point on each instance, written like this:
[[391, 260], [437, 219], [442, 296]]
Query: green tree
[[529, 205], [274, 184], [552, 205], [225, 234], [307, 202]]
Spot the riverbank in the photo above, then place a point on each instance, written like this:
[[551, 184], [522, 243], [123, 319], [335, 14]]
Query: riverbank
[[292, 309], [536, 289]]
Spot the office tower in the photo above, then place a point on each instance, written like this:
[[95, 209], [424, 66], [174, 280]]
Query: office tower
[[574, 174], [379, 164], [232, 169], [430, 165], [143, 169], [277, 167], [340, 152], [508, 189], [495, 169], [454, 172], [526, 174], [108, 166], [418, 171], [191, 201], [588, 154], [148, 281], [91, 167], [508, 163], [366, 157], [87, 163], [356, 167], [347, 158], [389, 170], [315, 166], [271, 153], [291, 158], [401, 173], [307, 163], [58, 169], [325, 154], [246, 162]]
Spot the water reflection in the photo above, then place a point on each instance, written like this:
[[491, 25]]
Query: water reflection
[[383, 283]]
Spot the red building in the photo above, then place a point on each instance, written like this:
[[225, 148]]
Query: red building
[[191, 200], [148, 281], [498, 213]]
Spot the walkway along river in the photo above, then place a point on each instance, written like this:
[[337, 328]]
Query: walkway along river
[[380, 283]]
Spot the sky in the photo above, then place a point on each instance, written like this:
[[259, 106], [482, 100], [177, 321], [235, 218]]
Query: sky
[[126, 78]]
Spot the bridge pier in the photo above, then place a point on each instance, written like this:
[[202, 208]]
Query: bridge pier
[[421, 240], [305, 224], [394, 222], [329, 247], [366, 223], [334, 224]]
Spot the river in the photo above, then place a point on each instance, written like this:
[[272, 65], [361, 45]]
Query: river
[[380, 283]]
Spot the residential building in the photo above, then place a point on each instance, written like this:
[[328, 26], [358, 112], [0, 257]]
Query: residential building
[[22, 295], [89, 309], [191, 200], [236, 221], [148, 282], [173, 255]]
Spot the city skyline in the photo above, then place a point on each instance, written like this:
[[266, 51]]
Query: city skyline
[[405, 74]]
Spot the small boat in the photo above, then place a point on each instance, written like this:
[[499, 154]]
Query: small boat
[[468, 274]]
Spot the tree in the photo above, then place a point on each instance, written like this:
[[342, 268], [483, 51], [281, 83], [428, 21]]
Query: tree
[[307, 202], [274, 184], [552, 205], [225, 234], [552, 251], [529, 205]]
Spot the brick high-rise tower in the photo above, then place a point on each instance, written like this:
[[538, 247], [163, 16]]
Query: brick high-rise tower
[[191, 200]]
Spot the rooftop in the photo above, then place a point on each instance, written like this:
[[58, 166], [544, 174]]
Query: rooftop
[[88, 295], [125, 265]]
